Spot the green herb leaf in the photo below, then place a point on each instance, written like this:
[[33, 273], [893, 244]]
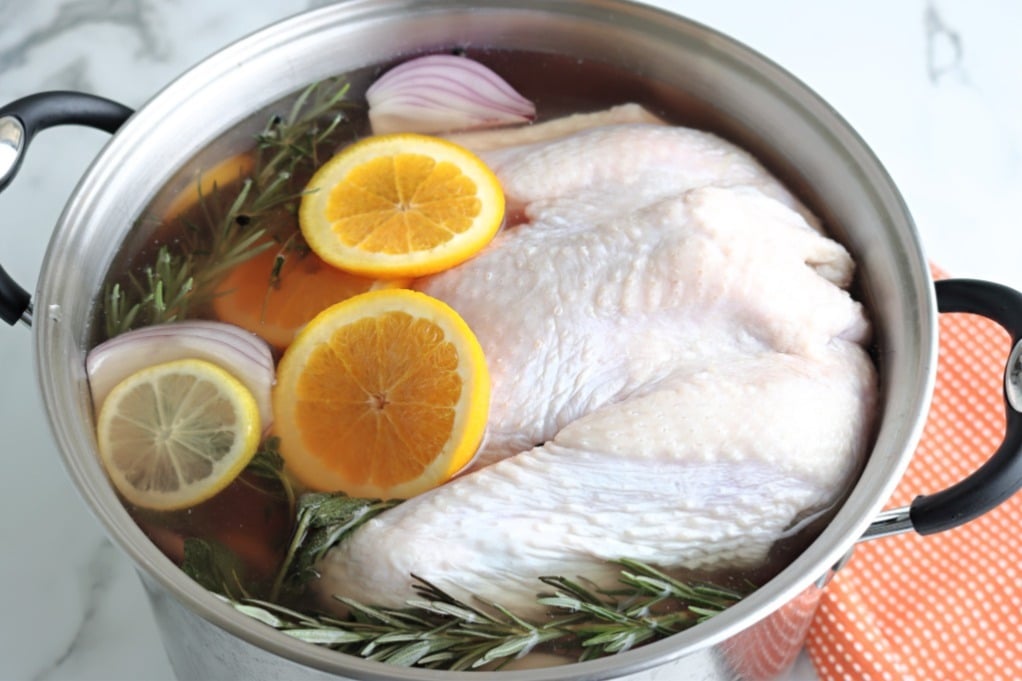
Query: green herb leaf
[[267, 462], [439, 631], [232, 227], [322, 521], [214, 566]]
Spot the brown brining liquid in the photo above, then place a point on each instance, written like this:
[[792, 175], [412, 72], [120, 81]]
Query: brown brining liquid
[[254, 521]]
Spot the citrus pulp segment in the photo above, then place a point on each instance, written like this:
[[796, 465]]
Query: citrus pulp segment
[[175, 434], [385, 395], [401, 205]]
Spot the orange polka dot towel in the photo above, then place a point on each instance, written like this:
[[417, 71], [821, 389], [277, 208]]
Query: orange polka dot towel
[[948, 605]]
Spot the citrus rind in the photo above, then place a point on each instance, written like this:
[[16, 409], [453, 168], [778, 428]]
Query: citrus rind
[[311, 466], [318, 219], [175, 434]]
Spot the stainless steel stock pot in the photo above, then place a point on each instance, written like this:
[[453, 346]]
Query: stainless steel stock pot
[[757, 105]]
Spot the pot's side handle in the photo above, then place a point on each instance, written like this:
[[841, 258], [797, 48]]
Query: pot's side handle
[[19, 122], [1001, 476]]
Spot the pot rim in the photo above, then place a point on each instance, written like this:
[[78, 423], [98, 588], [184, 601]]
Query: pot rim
[[75, 440]]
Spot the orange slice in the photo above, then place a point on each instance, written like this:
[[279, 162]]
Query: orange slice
[[276, 307], [385, 395], [401, 205]]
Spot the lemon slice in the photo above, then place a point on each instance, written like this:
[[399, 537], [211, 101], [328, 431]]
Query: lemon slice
[[385, 395], [401, 205], [175, 434]]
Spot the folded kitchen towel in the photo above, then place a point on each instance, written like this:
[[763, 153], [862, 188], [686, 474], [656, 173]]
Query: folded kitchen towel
[[945, 606]]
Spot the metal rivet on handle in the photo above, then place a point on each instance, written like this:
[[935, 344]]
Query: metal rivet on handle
[[1013, 378], [888, 523], [12, 141]]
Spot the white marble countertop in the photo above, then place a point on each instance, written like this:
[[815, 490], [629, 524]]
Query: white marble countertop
[[934, 87]]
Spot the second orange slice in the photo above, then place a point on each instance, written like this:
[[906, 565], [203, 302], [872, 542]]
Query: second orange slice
[[385, 395], [401, 205]]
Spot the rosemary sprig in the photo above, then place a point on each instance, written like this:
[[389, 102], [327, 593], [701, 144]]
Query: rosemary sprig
[[437, 630], [322, 521], [232, 229], [298, 139]]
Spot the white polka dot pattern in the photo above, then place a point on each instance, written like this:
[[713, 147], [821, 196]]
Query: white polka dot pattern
[[947, 606]]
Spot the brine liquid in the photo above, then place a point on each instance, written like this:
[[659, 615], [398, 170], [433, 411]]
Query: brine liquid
[[251, 517]]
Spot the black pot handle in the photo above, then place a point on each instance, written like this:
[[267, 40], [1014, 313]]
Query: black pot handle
[[1001, 476], [19, 122]]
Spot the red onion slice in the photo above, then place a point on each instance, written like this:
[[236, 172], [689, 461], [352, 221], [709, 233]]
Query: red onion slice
[[442, 93], [240, 353]]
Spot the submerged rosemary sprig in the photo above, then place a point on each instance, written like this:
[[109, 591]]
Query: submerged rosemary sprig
[[437, 630], [232, 229], [322, 521]]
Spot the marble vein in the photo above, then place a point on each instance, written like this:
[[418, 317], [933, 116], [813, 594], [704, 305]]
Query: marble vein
[[72, 17], [944, 48], [97, 581]]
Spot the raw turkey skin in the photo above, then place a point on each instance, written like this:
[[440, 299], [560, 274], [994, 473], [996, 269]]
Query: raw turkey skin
[[678, 371]]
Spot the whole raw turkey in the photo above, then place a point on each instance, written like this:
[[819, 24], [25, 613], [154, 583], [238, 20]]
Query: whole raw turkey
[[678, 370]]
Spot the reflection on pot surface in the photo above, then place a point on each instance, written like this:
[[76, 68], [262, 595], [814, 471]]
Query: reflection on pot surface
[[659, 342]]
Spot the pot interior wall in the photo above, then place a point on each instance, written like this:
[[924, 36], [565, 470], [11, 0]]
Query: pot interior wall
[[729, 90]]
